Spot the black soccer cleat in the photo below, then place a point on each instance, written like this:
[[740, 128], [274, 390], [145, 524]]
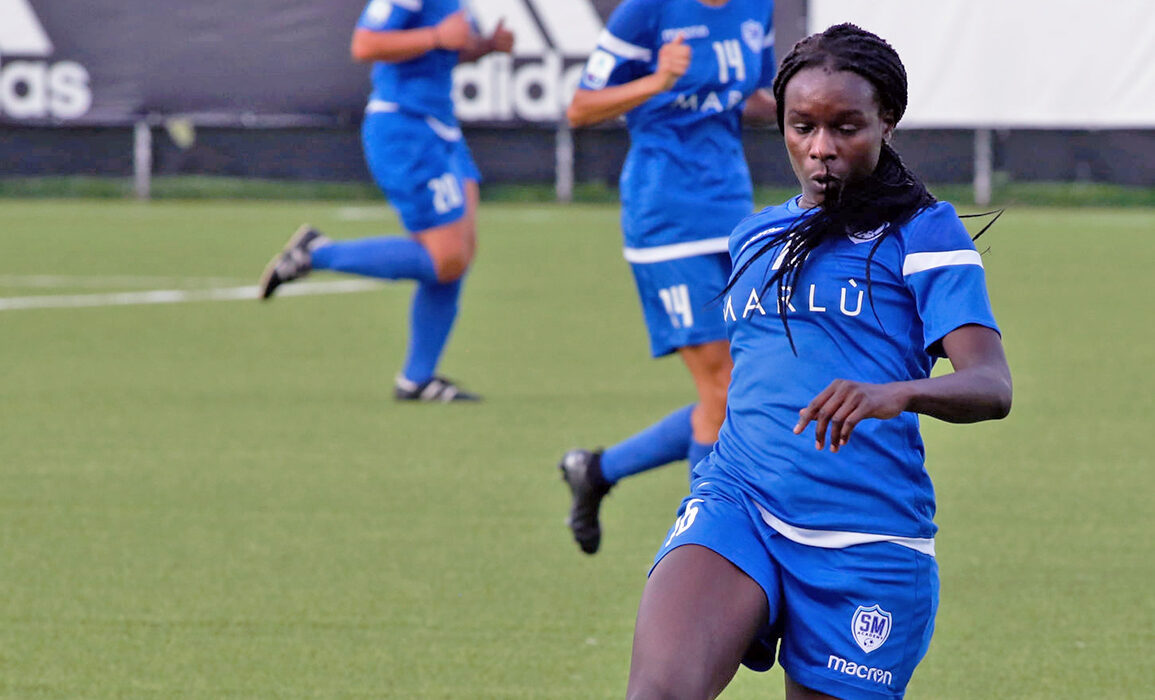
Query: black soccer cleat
[[434, 390], [293, 262], [581, 470]]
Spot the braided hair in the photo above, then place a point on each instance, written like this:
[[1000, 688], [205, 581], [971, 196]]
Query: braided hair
[[886, 199]]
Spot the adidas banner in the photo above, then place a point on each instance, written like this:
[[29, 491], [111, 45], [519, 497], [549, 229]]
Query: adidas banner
[[73, 62]]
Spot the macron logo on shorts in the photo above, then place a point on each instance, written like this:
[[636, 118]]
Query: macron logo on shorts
[[870, 627], [874, 675]]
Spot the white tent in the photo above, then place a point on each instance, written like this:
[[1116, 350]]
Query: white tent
[[1068, 64]]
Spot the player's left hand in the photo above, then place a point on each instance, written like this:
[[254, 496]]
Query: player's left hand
[[673, 61], [501, 39], [843, 405]]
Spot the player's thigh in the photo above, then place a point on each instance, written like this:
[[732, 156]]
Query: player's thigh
[[795, 691], [705, 600], [680, 300], [466, 169], [855, 621], [420, 172], [710, 365], [697, 616], [472, 199], [453, 245]]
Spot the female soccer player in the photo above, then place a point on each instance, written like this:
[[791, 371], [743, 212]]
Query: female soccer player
[[840, 302], [682, 72], [417, 156]]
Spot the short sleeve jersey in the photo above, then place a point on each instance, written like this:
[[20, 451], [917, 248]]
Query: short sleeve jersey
[[424, 84], [686, 146], [926, 279]]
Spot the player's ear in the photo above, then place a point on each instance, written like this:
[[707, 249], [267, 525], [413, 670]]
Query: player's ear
[[887, 126]]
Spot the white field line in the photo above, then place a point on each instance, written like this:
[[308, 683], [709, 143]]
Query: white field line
[[368, 213], [106, 281], [180, 296]]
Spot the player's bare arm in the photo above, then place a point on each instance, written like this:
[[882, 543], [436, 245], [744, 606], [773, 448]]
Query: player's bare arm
[[761, 108], [501, 40], [452, 33], [979, 389], [594, 106]]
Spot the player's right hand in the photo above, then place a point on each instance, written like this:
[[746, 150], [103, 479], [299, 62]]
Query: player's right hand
[[673, 61], [454, 32]]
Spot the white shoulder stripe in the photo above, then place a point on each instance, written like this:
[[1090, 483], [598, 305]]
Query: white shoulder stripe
[[837, 539], [411, 5], [757, 237], [622, 48], [919, 262], [676, 251]]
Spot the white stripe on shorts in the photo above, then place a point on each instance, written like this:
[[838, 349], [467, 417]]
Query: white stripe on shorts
[[381, 106], [446, 132], [676, 251], [836, 539]]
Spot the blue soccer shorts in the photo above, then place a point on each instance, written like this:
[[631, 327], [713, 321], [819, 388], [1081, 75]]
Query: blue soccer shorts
[[852, 622], [680, 300], [421, 165]]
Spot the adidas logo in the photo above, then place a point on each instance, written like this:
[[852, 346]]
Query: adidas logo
[[553, 40], [32, 86]]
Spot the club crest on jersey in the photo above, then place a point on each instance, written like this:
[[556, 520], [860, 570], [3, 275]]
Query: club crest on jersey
[[870, 627], [753, 35], [864, 236]]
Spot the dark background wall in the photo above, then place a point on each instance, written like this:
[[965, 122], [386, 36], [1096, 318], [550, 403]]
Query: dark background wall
[[526, 155], [285, 62]]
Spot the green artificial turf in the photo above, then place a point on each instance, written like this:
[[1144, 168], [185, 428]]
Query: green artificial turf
[[220, 499]]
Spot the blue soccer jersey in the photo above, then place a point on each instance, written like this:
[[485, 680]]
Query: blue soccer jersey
[[926, 279], [422, 85], [685, 178]]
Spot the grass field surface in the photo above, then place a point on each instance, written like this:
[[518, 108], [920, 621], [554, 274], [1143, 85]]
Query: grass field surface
[[204, 496]]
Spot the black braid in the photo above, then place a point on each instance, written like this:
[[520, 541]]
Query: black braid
[[887, 199], [846, 47]]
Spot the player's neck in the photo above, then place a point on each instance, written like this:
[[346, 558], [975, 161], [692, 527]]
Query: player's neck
[[713, 3]]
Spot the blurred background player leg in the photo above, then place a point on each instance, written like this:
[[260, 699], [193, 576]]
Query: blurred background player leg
[[677, 211], [688, 433], [432, 182], [692, 327], [418, 157]]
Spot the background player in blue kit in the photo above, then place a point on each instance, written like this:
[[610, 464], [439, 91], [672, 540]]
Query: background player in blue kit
[[682, 72], [840, 302], [415, 151]]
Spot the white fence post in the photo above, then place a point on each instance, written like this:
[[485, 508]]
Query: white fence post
[[142, 159], [984, 166], [563, 162]]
